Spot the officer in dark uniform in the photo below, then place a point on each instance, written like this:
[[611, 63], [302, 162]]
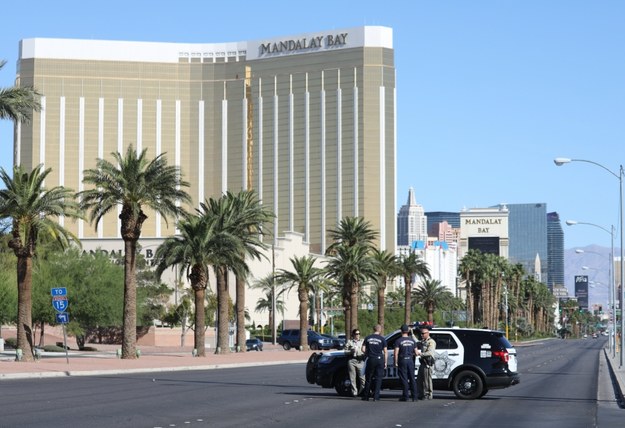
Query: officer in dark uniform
[[405, 353], [374, 347]]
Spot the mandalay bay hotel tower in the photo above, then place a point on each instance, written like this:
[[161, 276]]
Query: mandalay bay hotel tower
[[307, 121]]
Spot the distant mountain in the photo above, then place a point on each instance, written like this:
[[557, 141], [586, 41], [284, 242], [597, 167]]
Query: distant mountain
[[597, 259]]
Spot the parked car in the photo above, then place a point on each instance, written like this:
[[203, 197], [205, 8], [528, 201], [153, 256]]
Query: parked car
[[254, 344], [290, 338], [469, 362], [337, 342]]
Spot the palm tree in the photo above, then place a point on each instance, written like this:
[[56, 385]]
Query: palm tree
[[386, 268], [227, 254], [351, 267], [249, 216], [411, 266], [431, 294], [134, 183], [303, 277], [352, 232], [190, 250], [267, 285], [34, 211], [266, 304], [469, 269], [17, 103]]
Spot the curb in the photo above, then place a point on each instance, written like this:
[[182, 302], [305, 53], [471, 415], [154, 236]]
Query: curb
[[77, 373], [618, 387]]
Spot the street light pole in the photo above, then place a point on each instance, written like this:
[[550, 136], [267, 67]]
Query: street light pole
[[273, 295], [619, 176], [611, 278]]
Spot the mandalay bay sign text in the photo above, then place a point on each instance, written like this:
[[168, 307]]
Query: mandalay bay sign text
[[303, 44]]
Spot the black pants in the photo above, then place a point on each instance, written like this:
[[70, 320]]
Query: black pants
[[405, 370], [373, 375]]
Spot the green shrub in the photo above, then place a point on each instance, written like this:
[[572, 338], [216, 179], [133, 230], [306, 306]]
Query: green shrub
[[11, 342], [53, 348]]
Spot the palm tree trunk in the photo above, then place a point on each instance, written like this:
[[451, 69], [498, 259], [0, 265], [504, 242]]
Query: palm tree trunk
[[24, 304], [318, 310], [348, 315], [223, 305], [353, 303], [129, 338], [381, 289], [240, 305], [302, 294], [407, 299], [200, 320], [469, 302]]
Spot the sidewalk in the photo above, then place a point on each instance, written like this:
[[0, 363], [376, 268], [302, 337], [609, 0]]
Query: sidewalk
[[618, 373], [152, 359]]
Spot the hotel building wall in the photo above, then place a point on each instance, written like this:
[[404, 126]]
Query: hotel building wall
[[322, 121]]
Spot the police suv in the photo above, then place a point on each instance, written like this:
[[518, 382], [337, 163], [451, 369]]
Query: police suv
[[468, 362]]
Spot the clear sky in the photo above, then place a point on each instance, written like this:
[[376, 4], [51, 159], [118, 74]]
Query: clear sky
[[488, 92]]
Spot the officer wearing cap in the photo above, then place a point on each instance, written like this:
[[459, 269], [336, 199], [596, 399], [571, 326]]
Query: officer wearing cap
[[374, 347], [427, 355], [405, 353], [356, 362]]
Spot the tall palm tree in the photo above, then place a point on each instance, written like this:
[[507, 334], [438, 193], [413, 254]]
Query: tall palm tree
[[411, 266], [249, 216], [431, 294], [191, 251], [34, 211], [386, 268], [351, 232], [133, 182], [303, 277], [227, 254], [351, 267], [469, 270]]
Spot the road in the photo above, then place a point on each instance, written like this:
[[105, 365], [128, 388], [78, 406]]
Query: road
[[559, 388]]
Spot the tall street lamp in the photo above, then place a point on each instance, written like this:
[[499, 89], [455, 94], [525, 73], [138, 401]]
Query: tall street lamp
[[619, 176], [612, 279]]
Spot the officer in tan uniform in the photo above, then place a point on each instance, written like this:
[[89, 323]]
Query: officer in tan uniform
[[426, 358], [356, 362]]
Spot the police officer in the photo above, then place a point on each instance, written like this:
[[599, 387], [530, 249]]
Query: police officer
[[356, 362], [405, 352], [426, 358], [374, 347]]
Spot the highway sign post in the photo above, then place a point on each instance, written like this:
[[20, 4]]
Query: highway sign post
[[60, 304]]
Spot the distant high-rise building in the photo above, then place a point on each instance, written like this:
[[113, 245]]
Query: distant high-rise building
[[555, 251], [445, 233], [486, 230], [436, 217], [411, 222], [527, 228]]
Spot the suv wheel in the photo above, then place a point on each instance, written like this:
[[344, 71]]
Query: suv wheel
[[286, 346], [342, 385], [314, 346], [468, 385]]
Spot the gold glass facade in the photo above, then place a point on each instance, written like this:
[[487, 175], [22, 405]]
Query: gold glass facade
[[312, 129]]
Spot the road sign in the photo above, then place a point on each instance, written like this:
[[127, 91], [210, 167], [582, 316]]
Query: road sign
[[58, 291], [62, 318], [60, 303]]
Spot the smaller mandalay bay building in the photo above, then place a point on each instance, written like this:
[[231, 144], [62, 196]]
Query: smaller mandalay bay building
[[308, 121]]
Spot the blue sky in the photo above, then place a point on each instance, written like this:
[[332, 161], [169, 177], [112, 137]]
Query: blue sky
[[488, 92]]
